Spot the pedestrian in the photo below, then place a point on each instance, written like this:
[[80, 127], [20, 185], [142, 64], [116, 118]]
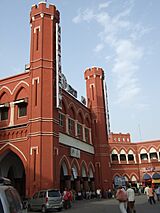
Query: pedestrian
[[87, 194], [66, 198], [131, 200], [157, 191], [151, 195], [109, 193], [98, 192], [79, 194], [146, 192], [121, 196], [70, 198]]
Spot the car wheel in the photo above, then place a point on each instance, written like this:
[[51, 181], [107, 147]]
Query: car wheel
[[43, 210]]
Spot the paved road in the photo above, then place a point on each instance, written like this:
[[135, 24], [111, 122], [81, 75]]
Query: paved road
[[111, 206]]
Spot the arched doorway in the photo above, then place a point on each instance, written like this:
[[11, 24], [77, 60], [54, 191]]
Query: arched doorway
[[12, 167], [64, 177]]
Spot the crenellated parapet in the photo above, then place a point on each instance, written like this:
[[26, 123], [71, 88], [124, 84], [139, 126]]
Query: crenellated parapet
[[42, 10], [93, 73]]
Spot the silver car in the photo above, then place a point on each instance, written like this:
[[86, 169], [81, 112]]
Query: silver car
[[10, 200], [46, 200]]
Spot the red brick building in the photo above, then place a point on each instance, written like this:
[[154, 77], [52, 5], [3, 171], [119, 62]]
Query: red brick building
[[136, 162], [50, 139]]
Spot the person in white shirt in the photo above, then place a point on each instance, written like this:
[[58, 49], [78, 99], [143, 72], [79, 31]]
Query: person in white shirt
[[146, 191], [131, 200]]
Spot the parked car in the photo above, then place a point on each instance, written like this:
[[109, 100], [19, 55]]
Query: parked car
[[46, 200], [10, 201]]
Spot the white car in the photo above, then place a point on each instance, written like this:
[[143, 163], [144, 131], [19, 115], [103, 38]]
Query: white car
[[10, 201], [46, 200]]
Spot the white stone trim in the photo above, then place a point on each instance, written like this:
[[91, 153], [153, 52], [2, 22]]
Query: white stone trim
[[38, 27], [72, 142], [34, 79], [34, 148]]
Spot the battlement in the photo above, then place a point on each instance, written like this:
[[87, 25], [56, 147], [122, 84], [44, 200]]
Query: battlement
[[119, 138], [94, 72], [42, 8]]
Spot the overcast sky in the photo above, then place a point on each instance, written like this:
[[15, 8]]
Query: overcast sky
[[121, 36]]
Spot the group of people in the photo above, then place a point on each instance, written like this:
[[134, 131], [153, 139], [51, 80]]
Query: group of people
[[126, 199], [152, 193], [67, 198], [71, 195]]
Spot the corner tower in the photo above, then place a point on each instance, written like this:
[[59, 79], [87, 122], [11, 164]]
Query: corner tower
[[43, 113], [96, 95]]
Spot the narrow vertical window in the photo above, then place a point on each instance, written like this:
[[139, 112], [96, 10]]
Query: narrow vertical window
[[61, 119], [34, 164], [87, 135], [92, 89], [36, 84], [3, 113], [22, 109], [37, 38]]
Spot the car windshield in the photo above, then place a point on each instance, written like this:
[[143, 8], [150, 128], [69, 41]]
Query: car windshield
[[53, 193]]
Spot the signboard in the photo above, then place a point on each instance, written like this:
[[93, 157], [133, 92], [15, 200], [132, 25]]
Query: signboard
[[119, 181], [74, 152], [58, 68]]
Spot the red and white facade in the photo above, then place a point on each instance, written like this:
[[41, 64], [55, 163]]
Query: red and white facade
[[50, 139], [137, 162]]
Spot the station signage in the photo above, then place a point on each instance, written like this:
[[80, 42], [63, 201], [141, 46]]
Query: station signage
[[74, 152], [58, 68]]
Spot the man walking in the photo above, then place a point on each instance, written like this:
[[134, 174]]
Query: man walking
[[121, 196], [131, 200]]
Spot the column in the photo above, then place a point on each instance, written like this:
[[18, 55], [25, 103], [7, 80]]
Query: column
[[135, 158], [12, 114], [111, 158], [92, 184], [139, 155], [77, 184], [119, 158], [67, 116], [85, 184], [127, 158], [149, 160], [67, 181], [76, 133], [90, 136], [158, 156], [83, 132]]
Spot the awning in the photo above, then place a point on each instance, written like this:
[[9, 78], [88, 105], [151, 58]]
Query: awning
[[156, 176], [156, 181], [146, 177]]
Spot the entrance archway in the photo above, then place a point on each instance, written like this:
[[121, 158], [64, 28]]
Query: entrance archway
[[12, 167], [63, 176]]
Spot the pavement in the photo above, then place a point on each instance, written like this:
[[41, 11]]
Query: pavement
[[111, 206]]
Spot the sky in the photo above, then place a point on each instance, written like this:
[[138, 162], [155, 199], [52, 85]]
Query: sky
[[120, 36]]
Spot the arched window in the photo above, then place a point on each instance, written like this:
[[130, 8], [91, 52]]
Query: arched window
[[122, 155], [130, 155], [153, 154], [114, 155], [143, 154]]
